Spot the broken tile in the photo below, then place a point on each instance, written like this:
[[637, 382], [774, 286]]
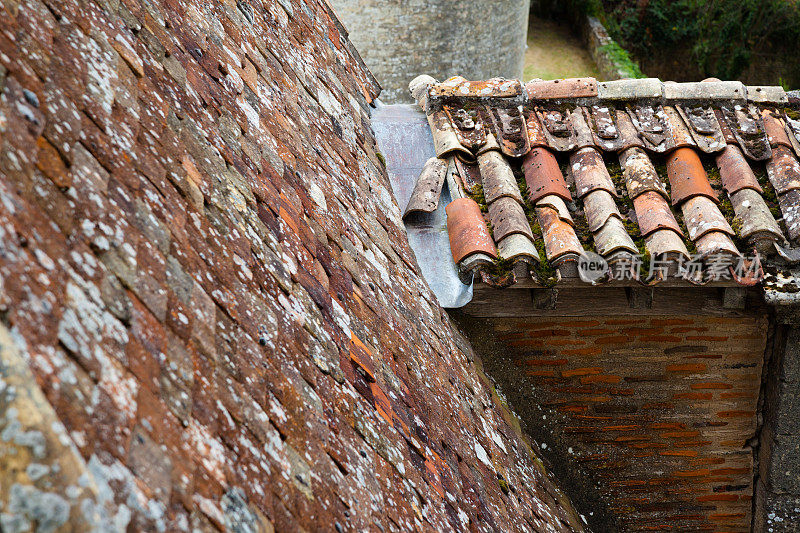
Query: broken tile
[[445, 140], [467, 230], [746, 125], [704, 127], [557, 127], [425, 197], [556, 203], [510, 130], [469, 127]]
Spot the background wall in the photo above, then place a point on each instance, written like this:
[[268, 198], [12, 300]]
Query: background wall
[[649, 415], [401, 39]]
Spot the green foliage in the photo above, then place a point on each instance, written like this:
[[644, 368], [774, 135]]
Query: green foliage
[[622, 59], [723, 37]]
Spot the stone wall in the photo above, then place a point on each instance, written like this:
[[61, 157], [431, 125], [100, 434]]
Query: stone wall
[[401, 39], [205, 272], [651, 417]]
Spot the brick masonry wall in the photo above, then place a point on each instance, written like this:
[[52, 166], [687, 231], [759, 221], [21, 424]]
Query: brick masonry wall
[[206, 273], [401, 39], [651, 415]]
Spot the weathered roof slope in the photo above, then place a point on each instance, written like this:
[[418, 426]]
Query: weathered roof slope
[[701, 174], [207, 276]]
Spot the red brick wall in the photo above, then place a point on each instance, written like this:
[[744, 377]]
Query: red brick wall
[[654, 410], [201, 260]]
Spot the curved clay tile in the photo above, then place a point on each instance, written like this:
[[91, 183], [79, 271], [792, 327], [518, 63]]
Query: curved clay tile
[[467, 230], [543, 175], [559, 237], [790, 207], [735, 172], [599, 206], [757, 223], [747, 127], [445, 139], [652, 126], [536, 136], [665, 241], [775, 128], [679, 131], [508, 217], [716, 243], [425, 197], [510, 130], [687, 177], [557, 127], [469, 127], [653, 213], [497, 177], [627, 132], [517, 246], [554, 202], [494, 88], [702, 216], [563, 88], [590, 173], [640, 174], [703, 127], [613, 237], [783, 170], [583, 133]]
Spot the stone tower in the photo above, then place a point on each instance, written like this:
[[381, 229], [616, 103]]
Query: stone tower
[[400, 39]]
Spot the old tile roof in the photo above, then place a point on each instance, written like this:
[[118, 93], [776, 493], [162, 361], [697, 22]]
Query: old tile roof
[[661, 170]]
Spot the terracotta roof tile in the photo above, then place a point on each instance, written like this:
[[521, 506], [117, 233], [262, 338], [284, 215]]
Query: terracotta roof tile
[[589, 172], [783, 170], [775, 128], [494, 88], [735, 172], [701, 216], [687, 177], [445, 140], [703, 127], [543, 175], [554, 202], [467, 230], [497, 177], [517, 246], [510, 130], [559, 237], [507, 217], [716, 243], [664, 242], [790, 207], [679, 131], [757, 221], [642, 88], [536, 135], [425, 197], [764, 94], [558, 129], [468, 126], [640, 174], [613, 237], [628, 118], [653, 213], [563, 88], [599, 206]]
